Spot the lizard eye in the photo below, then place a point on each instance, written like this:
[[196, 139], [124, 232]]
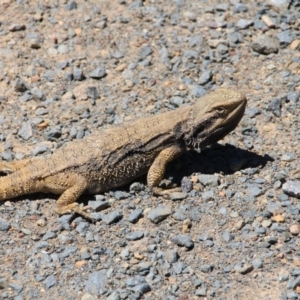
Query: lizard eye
[[220, 110]]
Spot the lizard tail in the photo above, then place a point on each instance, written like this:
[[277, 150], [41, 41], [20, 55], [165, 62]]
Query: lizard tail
[[16, 184]]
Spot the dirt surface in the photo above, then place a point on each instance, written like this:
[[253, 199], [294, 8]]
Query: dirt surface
[[72, 68]]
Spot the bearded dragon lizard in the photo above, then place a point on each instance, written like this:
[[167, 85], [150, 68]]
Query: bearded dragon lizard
[[116, 156]]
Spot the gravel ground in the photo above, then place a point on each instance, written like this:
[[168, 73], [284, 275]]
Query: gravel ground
[[69, 68]]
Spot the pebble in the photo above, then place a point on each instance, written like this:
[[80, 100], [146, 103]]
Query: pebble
[[50, 281], [295, 229], [159, 213], [265, 44], [4, 225], [136, 235], [135, 215], [183, 240], [245, 269], [209, 180], [292, 188], [98, 73], [96, 282], [112, 217]]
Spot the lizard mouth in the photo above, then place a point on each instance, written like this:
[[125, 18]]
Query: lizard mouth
[[215, 128]]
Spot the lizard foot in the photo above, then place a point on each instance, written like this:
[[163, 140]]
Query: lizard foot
[[74, 207], [161, 192]]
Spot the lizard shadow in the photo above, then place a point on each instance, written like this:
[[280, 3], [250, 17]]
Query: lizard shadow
[[225, 159]]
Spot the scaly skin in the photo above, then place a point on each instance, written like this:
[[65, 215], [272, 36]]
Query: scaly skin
[[117, 156]]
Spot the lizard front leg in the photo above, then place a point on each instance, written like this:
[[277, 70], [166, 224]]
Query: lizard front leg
[[158, 168]]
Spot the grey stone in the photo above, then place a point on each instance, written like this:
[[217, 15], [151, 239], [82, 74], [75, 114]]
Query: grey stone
[[142, 288], [244, 24], [99, 205], [191, 54], [172, 256], [227, 236], [92, 92], [159, 213], [292, 188], [205, 77], [293, 96], [257, 263], [136, 187], [52, 134], [26, 131], [98, 73], [209, 180], [112, 217], [246, 268], [49, 75], [17, 27], [113, 296], [135, 215], [145, 51], [78, 74], [198, 91], [254, 191], [71, 5], [136, 235], [96, 283], [175, 196], [201, 292], [265, 44], [20, 85], [285, 37], [119, 195], [177, 101], [50, 281], [275, 107], [82, 227], [4, 225], [183, 240], [37, 94], [207, 268], [208, 195]]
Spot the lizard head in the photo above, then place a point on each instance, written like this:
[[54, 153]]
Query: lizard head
[[213, 117]]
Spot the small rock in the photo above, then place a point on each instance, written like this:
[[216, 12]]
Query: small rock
[[96, 282], [257, 263], [265, 44], [175, 196], [135, 215], [160, 213], [209, 180], [16, 27], [98, 205], [37, 94], [206, 268], [244, 24], [292, 188], [50, 281], [4, 225], [134, 236], [112, 217], [92, 92], [98, 73], [172, 256], [295, 229], [26, 131], [246, 268], [71, 5], [183, 240]]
